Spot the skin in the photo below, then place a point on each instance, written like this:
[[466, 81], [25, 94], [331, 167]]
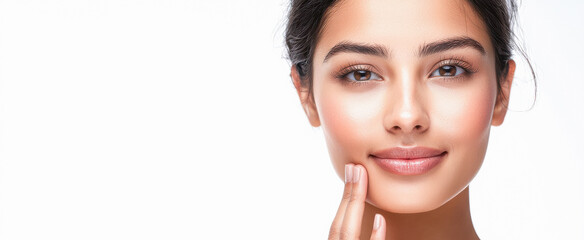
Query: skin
[[407, 102]]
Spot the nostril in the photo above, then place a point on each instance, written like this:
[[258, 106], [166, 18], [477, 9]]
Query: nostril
[[418, 127]]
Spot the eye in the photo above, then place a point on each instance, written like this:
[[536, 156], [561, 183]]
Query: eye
[[448, 71], [362, 75]]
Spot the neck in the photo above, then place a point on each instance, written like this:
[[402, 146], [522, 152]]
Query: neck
[[450, 221]]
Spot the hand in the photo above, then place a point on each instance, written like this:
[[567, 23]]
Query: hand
[[347, 223]]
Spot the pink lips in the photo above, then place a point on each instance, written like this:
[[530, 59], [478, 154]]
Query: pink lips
[[408, 161]]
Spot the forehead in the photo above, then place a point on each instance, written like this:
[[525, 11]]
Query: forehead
[[402, 26]]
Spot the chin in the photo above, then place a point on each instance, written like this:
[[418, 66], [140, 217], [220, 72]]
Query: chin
[[416, 194], [403, 205]]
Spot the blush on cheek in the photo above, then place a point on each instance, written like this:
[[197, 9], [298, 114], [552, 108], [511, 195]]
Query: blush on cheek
[[341, 124], [465, 116], [349, 122], [339, 132]]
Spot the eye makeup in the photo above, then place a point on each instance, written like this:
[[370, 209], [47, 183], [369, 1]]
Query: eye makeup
[[463, 69], [357, 74]]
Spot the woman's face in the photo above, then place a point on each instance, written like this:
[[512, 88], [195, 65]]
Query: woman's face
[[408, 90]]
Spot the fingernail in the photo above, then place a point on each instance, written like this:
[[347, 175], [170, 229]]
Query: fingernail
[[348, 173], [377, 221], [356, 174]]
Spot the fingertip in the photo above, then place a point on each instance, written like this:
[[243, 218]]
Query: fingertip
[[377, 221], [360, 175], [356, 173], [348, 173], [378, 227]]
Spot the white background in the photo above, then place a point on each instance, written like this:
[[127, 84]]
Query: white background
[[176, 119]]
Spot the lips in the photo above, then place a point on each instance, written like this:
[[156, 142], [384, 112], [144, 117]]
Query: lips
[[408, 161]]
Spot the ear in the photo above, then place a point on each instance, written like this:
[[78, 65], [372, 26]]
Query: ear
[[305, 99], [503, 97]]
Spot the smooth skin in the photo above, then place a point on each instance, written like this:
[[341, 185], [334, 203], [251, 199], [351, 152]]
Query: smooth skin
[[401, 96]]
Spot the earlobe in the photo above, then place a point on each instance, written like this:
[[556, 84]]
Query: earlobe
[[305, 99], [503, 96]]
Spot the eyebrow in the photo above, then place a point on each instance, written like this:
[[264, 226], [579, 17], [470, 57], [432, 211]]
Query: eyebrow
[[450, 43], [425, 50], [350, 47]]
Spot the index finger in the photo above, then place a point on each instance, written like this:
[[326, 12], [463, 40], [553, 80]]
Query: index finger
[[351, 227], [338, 221]]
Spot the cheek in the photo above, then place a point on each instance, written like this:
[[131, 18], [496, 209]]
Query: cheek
[[464, 116], [462, 120], [349, 121]]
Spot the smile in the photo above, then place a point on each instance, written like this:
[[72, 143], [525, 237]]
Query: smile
[[408, 161]]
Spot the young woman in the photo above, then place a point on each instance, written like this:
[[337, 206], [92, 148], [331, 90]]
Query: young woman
[[406, 93]]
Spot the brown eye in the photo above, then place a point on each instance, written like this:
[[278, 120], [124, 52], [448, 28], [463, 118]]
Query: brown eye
[[362, 75], [448, 71]]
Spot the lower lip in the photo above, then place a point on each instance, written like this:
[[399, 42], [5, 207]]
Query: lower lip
[[415, 166]]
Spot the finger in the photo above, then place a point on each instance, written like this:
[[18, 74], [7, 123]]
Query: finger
[[379, 228], [338, 221], [351, 228]]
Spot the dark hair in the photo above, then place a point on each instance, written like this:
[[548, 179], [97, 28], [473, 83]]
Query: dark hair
[[304, 24], [306, 18]]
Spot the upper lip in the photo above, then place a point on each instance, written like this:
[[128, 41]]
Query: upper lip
[[408, 153]]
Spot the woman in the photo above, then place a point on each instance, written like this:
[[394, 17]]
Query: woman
[[405, 93]]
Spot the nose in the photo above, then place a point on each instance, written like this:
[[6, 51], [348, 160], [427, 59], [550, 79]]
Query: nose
[[407, 114]]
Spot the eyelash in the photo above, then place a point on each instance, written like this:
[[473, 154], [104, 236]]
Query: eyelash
[[351, 68], [455, 62], [451, 61]]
